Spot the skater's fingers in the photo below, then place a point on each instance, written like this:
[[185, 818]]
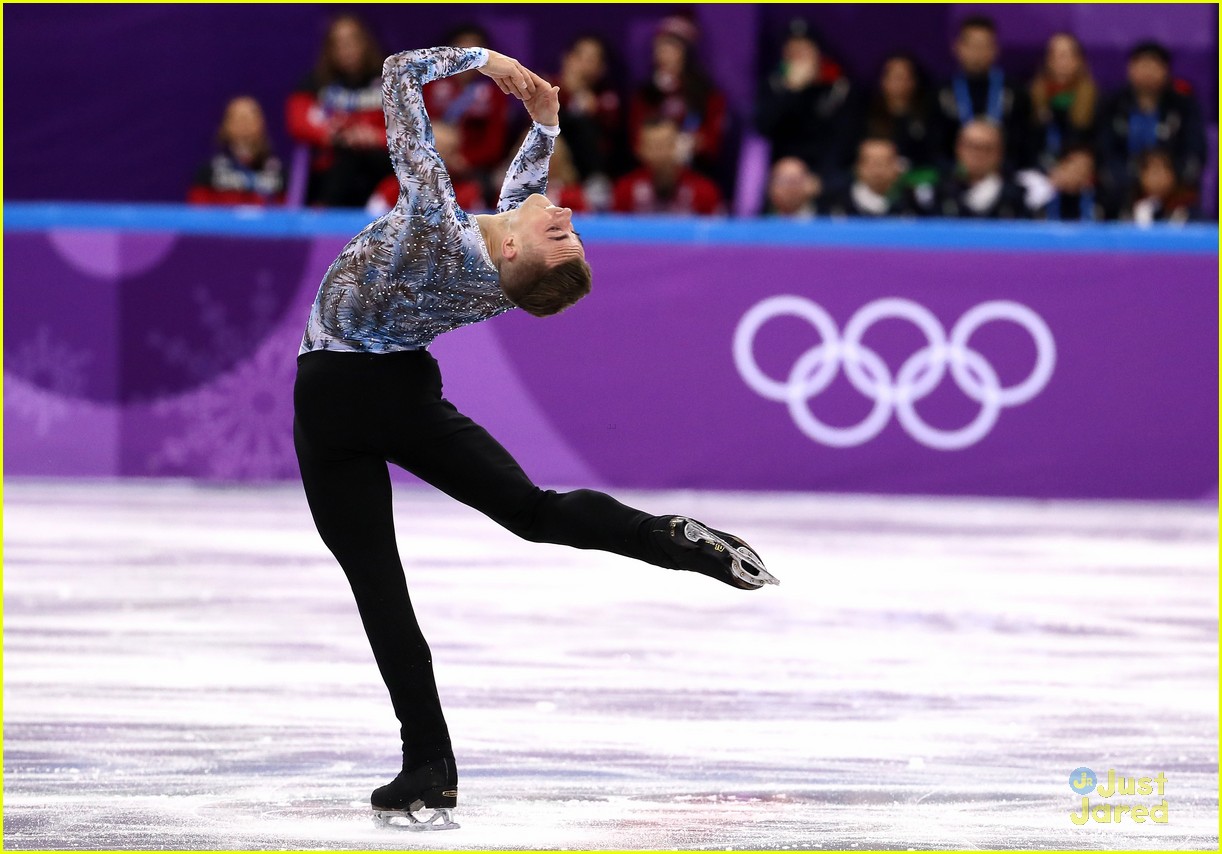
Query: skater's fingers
[[526, 80], [511, 87], [524, 86]]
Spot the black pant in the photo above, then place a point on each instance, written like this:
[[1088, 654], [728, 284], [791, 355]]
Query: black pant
[[356, 411]]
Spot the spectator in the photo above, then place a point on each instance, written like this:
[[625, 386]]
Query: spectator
[[468, 191], [877, 189], [803, 107], [244, 171], [1152, 111], [1159, 196], [979, 89], [680, 91], [590, 109], [901, 110], [337, 111], [1064, 101], [664, 184], [1076, 196], [472, 103], [978, 187], [792, 189]]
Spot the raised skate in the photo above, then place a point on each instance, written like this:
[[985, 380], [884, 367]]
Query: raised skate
[[696, 547]]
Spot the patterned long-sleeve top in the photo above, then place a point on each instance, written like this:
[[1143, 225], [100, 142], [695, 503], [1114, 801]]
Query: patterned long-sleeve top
[[423, 268]]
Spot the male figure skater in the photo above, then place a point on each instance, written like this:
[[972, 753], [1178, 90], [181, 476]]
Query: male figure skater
[[369, 392]]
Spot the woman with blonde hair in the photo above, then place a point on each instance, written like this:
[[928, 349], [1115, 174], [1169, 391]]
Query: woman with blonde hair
[[1064, 100]]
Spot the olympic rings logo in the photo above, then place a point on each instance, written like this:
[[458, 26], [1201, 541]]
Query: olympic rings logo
[[815, 369]]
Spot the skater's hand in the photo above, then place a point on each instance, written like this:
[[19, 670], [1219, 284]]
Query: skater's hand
[[511, 76], [544, 104]]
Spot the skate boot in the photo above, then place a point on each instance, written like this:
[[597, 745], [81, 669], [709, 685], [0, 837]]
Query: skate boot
[[694, 546], [433, 786]]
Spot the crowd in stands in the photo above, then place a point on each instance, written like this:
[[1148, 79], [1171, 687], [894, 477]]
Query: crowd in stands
[[981, 144]]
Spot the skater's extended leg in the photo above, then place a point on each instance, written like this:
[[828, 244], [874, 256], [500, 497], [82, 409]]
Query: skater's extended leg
[[461, 459], [464, 461]]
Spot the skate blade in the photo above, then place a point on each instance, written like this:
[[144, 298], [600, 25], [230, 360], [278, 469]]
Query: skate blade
[[755, 575], [403, 820]]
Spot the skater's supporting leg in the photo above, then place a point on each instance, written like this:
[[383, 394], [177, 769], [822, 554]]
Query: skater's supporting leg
[[350, 500]]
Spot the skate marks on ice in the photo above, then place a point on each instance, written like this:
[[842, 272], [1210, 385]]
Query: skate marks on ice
[[184, 668]]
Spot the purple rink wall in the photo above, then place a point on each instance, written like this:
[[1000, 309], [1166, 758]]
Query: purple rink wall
[[921, 358]]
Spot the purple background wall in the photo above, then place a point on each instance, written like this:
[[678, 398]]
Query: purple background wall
[[121, 101], [158, 353]]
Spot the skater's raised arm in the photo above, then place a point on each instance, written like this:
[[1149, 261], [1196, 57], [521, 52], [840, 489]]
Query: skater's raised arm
[[409, 133], [527, 174]]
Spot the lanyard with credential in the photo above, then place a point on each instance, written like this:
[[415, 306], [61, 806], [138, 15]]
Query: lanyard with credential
[[1052, 139], [963, 98]]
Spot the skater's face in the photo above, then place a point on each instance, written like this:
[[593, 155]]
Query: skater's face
[[546, 231]]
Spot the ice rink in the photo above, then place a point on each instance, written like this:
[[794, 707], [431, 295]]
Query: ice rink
[[184, 668]]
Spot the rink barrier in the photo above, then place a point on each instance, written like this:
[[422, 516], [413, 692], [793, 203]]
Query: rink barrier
[[918, 234], [1018, 359]]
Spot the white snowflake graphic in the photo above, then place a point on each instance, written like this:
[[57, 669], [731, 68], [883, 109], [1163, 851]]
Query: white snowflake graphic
[[225, 335], [41, 378], [239, 427]]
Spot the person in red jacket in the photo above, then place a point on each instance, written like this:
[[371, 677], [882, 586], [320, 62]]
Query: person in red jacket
[[663, 184], [337, 111], [680, 90], [244, 171], [473, 104]]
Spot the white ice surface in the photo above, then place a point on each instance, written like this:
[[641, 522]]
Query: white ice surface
[[184, 668]]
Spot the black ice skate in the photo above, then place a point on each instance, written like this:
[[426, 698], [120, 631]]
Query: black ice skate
[[694, 546], [433, 786]]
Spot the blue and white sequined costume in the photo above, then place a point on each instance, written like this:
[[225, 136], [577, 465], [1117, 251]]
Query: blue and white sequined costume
[[423, 268]]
